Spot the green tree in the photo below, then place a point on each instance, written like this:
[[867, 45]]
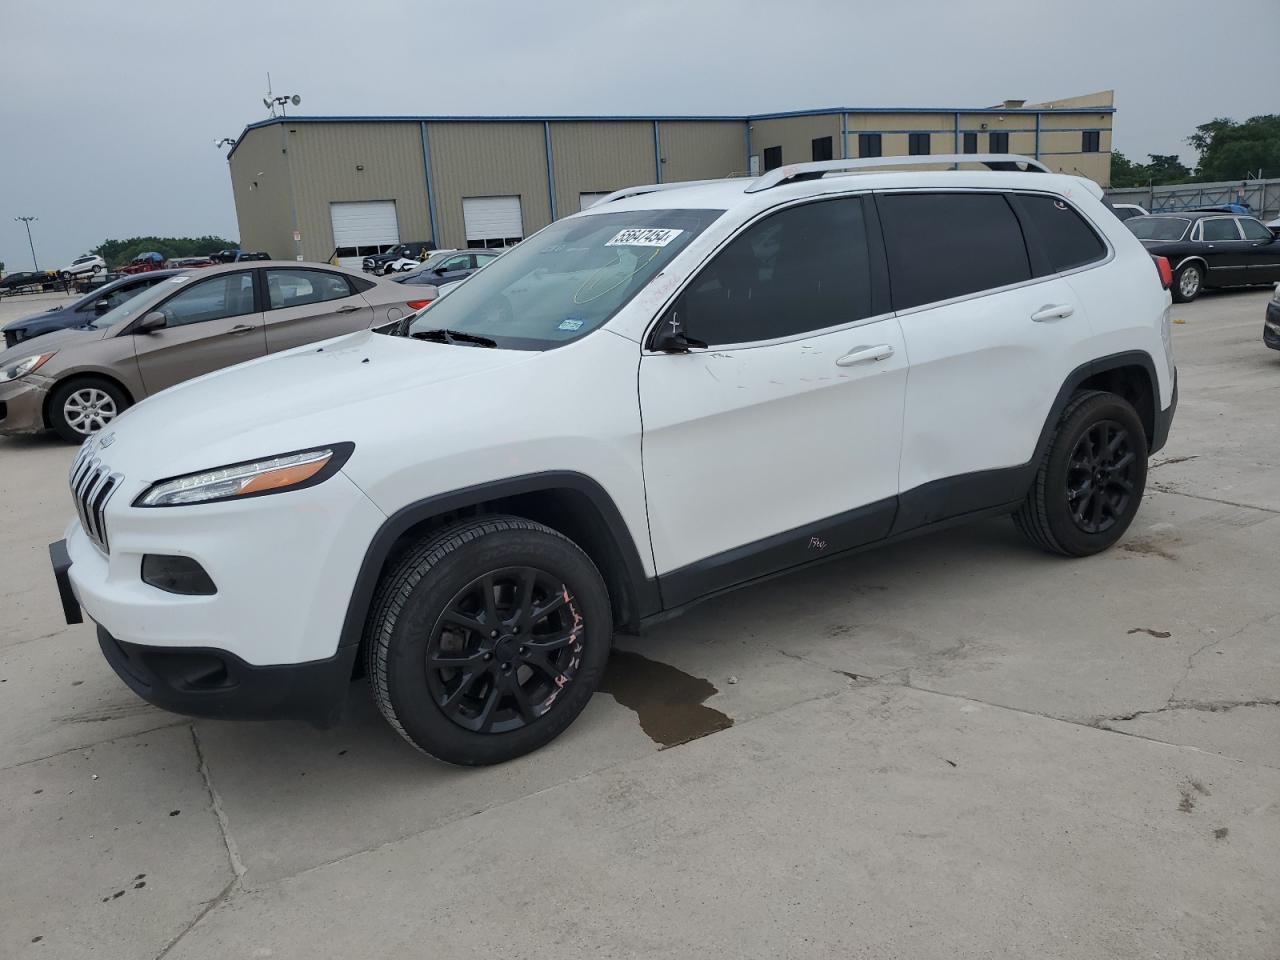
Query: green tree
[[1234, 151], [1162, 168], [117, 253]]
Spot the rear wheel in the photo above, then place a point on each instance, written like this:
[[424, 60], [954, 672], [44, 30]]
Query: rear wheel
[[1091, 479], [487, 639], [80, 408], [1188, 283]]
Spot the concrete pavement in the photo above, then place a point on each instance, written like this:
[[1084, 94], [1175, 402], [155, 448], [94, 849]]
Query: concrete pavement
[[954, 747]]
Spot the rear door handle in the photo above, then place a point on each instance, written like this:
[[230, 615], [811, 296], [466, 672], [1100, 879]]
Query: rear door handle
[[348, 309], [239, 329], [1053, 311], [862, 354]]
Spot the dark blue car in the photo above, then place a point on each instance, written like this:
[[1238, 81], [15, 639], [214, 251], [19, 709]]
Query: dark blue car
[[83, 311], [443, 268]]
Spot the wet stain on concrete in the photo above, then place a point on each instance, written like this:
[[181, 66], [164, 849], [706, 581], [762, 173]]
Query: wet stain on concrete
[[667, 701], [1158, 634], [1186, 804], [1148, 547], [1221, 833]]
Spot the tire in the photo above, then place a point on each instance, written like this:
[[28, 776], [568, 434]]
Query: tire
[[64, 276], [97, 268], [1090, 481], [1188, 283], [506, 698], [100, 400]]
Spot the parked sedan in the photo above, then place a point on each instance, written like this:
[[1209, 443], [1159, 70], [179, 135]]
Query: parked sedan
[[445, 268], [191, 323], [1208, 249], [25, 278], [81, 312]]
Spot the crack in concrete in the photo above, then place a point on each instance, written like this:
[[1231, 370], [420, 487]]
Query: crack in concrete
[[95, 743], [1196, 496], [205, 910], [1210, 706]]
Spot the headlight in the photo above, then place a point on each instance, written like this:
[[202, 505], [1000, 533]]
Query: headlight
[[23, 367], [288, 471]]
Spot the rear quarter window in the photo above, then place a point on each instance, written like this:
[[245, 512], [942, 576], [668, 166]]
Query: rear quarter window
[[1066, 238]]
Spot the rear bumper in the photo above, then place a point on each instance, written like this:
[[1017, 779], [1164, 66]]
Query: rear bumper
[[1164, 420], [202, 682]]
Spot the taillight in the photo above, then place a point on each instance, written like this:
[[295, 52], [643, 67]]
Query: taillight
[[1165, 269], [419, 304]]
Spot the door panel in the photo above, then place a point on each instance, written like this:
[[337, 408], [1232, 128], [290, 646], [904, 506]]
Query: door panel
[[1223, 251], [1262, 252], [743, 444], [211, 325], [310, 305]]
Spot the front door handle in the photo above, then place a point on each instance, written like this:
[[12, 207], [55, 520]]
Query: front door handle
[[1053, 311], [863, 354], [348, 309], [239, 329]]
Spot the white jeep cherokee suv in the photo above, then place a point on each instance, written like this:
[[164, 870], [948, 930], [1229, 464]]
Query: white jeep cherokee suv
[[679, 391]]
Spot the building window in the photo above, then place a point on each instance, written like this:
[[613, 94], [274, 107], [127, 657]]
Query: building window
[[869, 145], [1091, 141], [918, 144], [772, 158], [997, 142], [970, 143], [822, 148]]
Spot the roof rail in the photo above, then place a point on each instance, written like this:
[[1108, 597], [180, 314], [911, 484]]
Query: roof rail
[[816, 169], [655, 187]]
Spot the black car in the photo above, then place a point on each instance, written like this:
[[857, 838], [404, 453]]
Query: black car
[[1208, 249], [446, 268], [26, 278], [236, 256], [378, 261], [1271, 327], [80, 312]]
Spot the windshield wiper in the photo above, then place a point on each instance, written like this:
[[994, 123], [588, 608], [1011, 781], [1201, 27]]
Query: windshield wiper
[[454, 336]]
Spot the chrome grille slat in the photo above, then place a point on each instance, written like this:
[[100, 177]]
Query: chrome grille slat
[[92, 486]]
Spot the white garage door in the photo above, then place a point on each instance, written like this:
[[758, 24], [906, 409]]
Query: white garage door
[[363, 228], [492, 221], [590, 199]]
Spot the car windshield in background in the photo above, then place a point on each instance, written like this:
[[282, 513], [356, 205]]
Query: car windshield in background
[[140, 304], [1158, 228], [566, 280]]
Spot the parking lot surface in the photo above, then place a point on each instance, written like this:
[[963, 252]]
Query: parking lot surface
[[954, 747]]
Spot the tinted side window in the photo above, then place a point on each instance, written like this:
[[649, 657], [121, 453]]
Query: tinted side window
[[229, 295], [295, 288], [802, 269], [1254, 230], [1067, 240], [1219, 228], [944, 245]]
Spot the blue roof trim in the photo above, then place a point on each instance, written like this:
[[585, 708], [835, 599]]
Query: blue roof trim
[[651, 118]]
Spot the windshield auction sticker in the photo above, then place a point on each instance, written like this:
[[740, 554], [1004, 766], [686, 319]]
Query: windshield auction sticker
[[644, 237]]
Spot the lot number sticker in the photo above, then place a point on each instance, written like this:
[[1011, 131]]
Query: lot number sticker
[[644, 237]]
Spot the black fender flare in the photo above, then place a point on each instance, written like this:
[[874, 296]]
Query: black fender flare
[[643, 599]]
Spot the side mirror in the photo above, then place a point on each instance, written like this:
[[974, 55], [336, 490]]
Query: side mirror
[[101, 307], [670, 336], [151, 323]]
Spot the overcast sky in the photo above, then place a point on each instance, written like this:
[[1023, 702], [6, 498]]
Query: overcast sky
[[108, 112]]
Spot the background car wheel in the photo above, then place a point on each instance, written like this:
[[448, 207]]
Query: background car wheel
[[1188, 283], [64, 275], [80, 408], [487, 639], [1091, 479], [97, 268]]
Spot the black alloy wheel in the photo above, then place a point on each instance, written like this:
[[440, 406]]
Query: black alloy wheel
[[504, 650], [1100, 476]]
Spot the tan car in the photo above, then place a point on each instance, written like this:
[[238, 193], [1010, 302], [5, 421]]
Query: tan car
[[78, 381]]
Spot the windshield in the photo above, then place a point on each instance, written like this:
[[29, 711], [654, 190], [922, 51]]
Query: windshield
[[1157, 228], [567, 280], [140, 304]]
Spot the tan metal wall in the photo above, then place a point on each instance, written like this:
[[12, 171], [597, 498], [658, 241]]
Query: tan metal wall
[[260, 187], [487, 160], [325, 158], [795, 135], [704, 149], [597, 156]]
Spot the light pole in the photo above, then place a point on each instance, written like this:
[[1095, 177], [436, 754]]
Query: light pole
[[26, 222]]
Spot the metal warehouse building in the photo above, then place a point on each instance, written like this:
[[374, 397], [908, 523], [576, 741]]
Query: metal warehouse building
[[316, 188]]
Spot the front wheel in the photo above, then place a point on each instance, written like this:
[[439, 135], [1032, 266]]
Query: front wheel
[[487, 639], [1091, 479], [81, 408], [1188, 283]]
